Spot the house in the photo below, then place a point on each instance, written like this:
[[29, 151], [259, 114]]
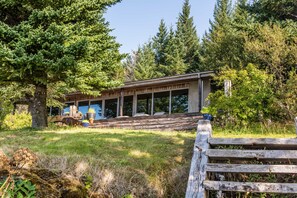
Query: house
[[172, 96]]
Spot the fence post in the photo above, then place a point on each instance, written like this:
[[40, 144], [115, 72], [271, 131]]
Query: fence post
[[296, 124], [197, 173]]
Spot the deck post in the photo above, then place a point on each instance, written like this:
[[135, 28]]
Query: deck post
[[296, 125], [197, 175], [121, 102]]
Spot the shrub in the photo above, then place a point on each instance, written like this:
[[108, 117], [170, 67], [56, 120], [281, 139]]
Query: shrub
[[17, 121], [286, 105], [251, 96]]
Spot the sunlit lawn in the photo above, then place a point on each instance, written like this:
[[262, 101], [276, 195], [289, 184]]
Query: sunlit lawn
[[138, 149], [149, 156]]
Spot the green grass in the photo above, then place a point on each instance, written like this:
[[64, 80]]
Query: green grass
[[276, 130], [144, 158], [121, 162]]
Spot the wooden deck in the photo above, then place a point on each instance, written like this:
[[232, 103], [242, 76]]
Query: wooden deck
[[173, 122]]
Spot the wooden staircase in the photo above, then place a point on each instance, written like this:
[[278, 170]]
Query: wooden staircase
[[173, 122]]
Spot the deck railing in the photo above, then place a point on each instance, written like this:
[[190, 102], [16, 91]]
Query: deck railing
[[239, 155]]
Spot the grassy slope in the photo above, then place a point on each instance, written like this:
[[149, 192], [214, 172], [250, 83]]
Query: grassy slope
[[144, 163]]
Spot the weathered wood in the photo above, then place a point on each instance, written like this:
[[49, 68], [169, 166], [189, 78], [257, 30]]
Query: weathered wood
[[251, 168], [296, 124], [261, 142], [252, 154], [251, 187], [197, 174]]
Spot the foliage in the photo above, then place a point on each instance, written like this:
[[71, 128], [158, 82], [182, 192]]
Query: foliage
[[17, 188], [17, 121], [186, 32], [160, 42], [286, 105], [276, 10], [167, 53], [174, 54], [274, 48], [145, 65], [53, 44], [223, 44], [251, 98]]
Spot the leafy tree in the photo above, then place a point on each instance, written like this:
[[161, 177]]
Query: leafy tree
[[286, 105], [251, 96], [49, 43], [186, 32], [160, 42], [275, 49]]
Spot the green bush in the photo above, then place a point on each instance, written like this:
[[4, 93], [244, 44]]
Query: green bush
[[250, 100], [17, 121]]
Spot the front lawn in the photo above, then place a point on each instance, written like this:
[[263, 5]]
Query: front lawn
[[120, 162]]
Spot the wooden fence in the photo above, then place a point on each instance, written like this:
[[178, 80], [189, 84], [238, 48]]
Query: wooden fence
[[282, 152]]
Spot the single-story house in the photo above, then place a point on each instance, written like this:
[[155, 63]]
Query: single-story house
[[178, 94]]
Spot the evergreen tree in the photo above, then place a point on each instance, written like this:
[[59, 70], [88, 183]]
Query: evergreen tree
[[222, 45], [48, 43], [174, 54], [186, 32], [222, 16], [160, 42], [145, 65], [275, 10]]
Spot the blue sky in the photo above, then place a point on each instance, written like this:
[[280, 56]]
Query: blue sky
[[135, 21]]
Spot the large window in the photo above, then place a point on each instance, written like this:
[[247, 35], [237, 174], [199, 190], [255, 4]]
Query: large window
[[128, 106], [53, 111], [179, 101], [97, 106], [161, 102], [83, 107], [144, 103], [111, 108], [66, 108]]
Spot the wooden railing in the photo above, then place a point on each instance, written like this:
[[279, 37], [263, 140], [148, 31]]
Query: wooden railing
[[282, 152]]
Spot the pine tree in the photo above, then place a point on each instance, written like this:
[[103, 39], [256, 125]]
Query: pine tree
[[160, 42], [46, 43], [275, 10], [220, 43], [222, 16], [145, 65], [174, 54], [186, 32]]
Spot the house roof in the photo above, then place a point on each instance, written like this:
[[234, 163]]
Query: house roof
[[169, 79], [162, 80]]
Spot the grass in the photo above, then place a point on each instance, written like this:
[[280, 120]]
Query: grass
[[144, 163], [275, 130], [122, 162]]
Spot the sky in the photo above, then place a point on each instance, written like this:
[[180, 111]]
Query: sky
[[134, 22]]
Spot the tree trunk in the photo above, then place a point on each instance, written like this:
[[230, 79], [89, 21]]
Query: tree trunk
[[38, 107]]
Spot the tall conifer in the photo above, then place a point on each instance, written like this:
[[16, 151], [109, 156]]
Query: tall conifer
[[186, 32], [160, 42], [145, 65], [174, 54], [219, 41]]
